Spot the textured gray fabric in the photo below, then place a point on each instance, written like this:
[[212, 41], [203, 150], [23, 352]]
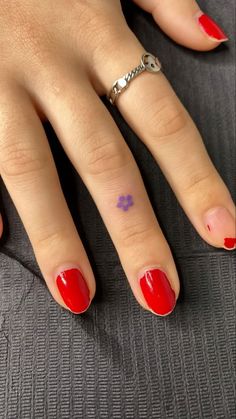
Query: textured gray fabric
[[117, 360]]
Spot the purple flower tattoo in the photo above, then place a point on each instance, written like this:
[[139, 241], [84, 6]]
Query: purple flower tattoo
[[125, 202]]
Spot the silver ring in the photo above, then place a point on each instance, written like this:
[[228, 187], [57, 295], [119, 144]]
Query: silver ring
[[149, 63]]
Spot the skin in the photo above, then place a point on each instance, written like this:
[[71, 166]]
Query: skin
[[55, 63]]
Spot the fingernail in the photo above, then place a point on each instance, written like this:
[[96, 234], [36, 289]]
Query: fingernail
[[221, 225], [210, 27], [230, 243], [74, 290], [157, 292]]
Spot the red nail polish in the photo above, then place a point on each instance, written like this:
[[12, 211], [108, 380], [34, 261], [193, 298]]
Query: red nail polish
[[230, 243], [157, 291], [74, 290], [220, 225], [211, 28]]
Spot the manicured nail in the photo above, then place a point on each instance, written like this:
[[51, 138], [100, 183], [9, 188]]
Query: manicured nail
[[74, 290], [210, 27], [157, 291], [230, 242], [221, 225]]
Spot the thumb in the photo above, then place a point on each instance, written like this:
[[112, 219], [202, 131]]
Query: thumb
[[185, 23]]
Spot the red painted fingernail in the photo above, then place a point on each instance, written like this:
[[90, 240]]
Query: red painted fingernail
[[211, 28], [157, 291], [230, 242], [221, 226], [74, 290]]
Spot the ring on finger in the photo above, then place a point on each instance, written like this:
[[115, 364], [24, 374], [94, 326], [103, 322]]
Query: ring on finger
[[149, 63]]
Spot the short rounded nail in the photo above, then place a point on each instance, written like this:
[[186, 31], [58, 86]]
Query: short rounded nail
[[157, 291], [74, 290], [221, 225], [210, 27]]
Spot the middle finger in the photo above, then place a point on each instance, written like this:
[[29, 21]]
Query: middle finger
[[95, 146]]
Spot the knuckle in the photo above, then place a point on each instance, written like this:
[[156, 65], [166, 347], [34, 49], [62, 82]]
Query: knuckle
[[107, 159], [167, 119], [104, 33], [136, 235], [18, 161], [199, 181], [39, 48], [108, 38], [48, 238], [29, 33]]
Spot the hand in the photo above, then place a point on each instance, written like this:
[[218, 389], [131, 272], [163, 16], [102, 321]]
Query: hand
[[57, 58]]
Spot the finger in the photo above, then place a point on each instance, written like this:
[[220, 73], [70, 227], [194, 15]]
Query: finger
[[29, 173], [185, 23], [106, 165], [161, 121]]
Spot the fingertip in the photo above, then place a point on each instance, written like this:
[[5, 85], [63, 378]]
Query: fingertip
[[185, 23], [193, 28], [74, 289], [211, 31], [220, 225], [157, 290]]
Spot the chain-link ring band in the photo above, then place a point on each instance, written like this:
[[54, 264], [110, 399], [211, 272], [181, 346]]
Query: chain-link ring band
[[148, 62]]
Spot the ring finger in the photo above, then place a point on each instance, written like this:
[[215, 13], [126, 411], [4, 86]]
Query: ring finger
[[154, 112]]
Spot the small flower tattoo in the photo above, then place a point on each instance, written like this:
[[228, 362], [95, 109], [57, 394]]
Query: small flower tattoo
[[124, 202]]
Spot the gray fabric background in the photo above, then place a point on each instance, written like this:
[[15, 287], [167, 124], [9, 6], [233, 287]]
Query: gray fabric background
[[117, 360]]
